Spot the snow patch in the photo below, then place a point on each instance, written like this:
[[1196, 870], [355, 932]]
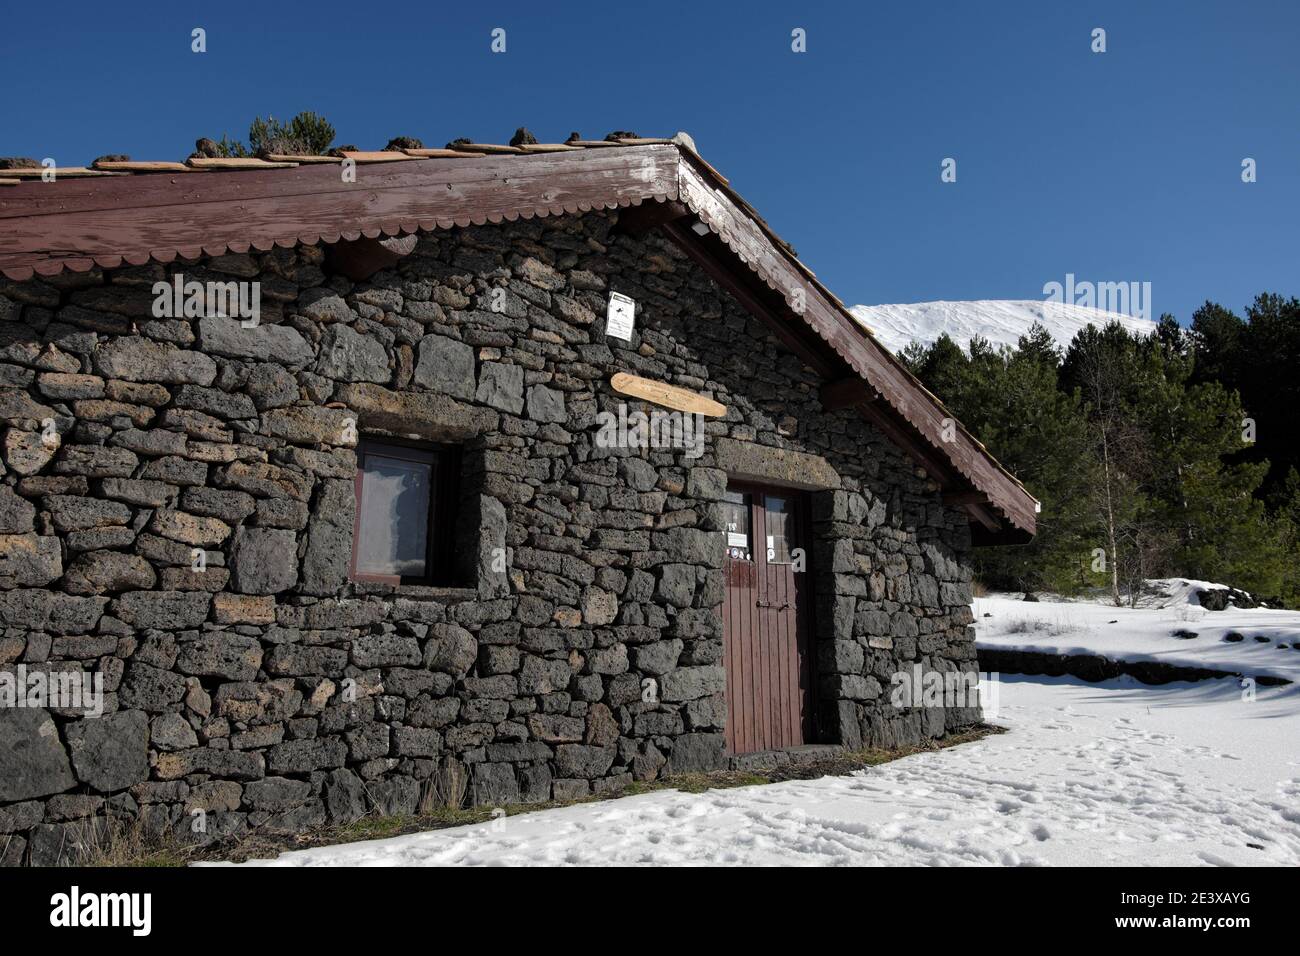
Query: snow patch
[[1000, 321], [1171, 629]]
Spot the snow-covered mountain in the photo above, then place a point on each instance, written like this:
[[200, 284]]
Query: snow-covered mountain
[[997, 320]]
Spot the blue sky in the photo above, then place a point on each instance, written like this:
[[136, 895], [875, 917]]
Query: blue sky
[[1121, 166]]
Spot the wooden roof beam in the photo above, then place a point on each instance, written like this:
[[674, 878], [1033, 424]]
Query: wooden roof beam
[[359, 259], [960, 498], [846, 393], [985, 518], [642, 218]]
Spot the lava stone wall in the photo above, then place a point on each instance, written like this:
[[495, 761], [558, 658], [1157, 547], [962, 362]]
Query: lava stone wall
[[269, 691]]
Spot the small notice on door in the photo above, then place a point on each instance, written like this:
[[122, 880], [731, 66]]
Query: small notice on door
[[618, 320]]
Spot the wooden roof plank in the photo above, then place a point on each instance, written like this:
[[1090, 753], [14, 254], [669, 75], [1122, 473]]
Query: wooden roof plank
[[426, 153], [377, 155], [485, 148], [60, 172], [121, 198], [298, 159], [142, 166], [234, 162], [254, 206]]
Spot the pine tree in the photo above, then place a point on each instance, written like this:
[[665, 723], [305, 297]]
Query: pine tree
[[1113, 378], [1138, 448], [1010, 400], [1257, 357]]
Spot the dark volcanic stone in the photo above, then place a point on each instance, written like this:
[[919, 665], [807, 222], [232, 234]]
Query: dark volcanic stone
[[33, 762], [111, 753]]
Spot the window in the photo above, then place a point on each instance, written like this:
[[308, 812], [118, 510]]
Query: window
[[778, 520], [735, 519], [403, 530]]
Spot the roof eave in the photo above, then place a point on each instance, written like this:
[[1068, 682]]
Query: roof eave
[[117, 220]]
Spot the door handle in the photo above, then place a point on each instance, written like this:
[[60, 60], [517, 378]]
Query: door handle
[[767, 604]]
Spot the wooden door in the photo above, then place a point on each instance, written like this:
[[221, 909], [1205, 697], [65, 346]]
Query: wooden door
[[765, 620]]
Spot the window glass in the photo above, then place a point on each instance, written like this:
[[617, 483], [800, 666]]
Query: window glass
[[393, 520], [735, 524], [778, 516]]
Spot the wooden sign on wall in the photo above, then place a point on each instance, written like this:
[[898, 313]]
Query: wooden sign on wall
[[669, 396]]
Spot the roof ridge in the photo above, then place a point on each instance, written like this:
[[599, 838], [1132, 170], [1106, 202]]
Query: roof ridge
[[206, 155]]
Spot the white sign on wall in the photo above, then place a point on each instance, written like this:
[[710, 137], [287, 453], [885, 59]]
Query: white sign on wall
[[618, 319]]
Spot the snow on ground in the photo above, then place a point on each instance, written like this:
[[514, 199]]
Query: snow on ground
[[1116, 773], [1270, 643], [997, 320], [1113, 773]]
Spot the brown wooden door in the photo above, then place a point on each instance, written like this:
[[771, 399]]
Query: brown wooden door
[[765, 620]]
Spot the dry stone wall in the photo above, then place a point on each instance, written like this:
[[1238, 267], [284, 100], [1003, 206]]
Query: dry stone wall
[[267, 691]]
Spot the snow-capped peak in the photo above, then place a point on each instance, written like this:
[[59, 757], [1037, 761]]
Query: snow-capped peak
[[1000, 321]]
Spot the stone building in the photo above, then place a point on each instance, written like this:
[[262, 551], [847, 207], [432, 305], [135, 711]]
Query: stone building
[[485, 475]]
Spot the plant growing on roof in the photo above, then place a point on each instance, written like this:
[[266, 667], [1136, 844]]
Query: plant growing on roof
[[225, 147], [305, 135]]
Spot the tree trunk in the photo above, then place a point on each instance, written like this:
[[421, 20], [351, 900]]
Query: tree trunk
[[1110, 521]]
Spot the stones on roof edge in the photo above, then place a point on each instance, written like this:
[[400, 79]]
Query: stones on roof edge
[[206, 148]]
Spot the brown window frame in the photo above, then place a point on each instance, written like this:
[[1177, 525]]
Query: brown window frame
[[440, 535]]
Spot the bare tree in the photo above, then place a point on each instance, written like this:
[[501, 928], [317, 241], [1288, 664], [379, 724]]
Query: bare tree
[[1122, 454]]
